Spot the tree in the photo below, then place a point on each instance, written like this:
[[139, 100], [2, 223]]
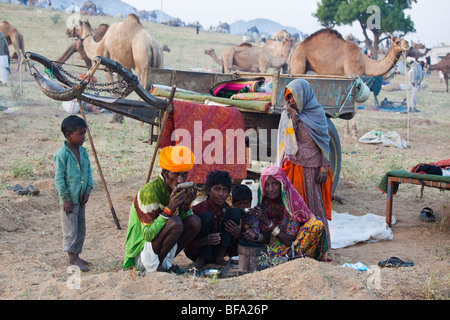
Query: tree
[[381, 17]]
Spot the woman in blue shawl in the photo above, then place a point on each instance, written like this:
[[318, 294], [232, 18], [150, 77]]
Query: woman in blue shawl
[[303, 149]]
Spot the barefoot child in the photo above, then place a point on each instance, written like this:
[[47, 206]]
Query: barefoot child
[[73, 180]]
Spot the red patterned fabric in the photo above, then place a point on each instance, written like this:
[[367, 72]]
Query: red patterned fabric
[[198, 119]]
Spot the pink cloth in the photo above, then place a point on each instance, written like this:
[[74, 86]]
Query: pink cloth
[[292, 200]]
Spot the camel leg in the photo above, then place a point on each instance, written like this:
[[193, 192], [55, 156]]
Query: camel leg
[[346, 129]]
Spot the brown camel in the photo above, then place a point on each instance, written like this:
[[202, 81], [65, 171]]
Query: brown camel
[[77, 45], [280, 35], [15, 38], [325, 52], [127, 43], [246, 57], [444, 66], [213, 55]]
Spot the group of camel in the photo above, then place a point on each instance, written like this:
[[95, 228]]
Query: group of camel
[[325, 52]]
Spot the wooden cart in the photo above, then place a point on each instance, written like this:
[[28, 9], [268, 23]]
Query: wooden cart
[[335, 94]]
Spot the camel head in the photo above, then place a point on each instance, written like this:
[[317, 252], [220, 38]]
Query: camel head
[[80, 31], [399, 46], [210, 52], [287, 48]]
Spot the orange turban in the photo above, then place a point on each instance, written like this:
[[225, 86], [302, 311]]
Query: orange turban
[[176, 158]]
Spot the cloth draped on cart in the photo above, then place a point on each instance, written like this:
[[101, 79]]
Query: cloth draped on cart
[[215, 134]]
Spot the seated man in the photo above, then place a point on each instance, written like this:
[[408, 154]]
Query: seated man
[[220, 224], [161, 222]]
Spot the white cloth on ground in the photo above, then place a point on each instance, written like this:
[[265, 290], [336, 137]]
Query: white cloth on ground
[[347, 229]]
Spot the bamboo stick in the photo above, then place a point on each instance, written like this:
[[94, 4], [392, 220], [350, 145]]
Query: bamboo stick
[[108, 197], [164, 121]]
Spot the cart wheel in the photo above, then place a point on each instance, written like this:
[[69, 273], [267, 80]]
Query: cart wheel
[[335, 153]]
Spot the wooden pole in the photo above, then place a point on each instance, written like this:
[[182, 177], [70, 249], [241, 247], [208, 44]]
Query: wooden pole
[[99, 169], [164, 121]]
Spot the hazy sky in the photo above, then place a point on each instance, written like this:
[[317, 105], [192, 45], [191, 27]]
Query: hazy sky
[[430, 16]]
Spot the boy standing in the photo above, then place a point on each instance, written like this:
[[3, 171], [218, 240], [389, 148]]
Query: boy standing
[[73, 180]]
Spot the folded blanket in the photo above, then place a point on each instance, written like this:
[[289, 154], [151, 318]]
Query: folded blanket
[[408, 175], [259, 96], [214, 150], [200, 98]]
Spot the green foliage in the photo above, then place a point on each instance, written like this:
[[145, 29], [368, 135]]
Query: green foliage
[[338, 12]]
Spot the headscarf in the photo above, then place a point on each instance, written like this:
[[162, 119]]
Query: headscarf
[[176, 158], [291, 199], [310, 112]]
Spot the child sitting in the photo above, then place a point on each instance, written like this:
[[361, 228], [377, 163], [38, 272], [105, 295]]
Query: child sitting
[[241, 198]]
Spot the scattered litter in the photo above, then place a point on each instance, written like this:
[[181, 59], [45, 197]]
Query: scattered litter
[[389, 139], [358, 266]]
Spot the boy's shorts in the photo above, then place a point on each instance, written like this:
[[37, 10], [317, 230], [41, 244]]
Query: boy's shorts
[[73, 229]]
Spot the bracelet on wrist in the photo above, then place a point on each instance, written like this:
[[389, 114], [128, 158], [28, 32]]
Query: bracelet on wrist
[[276, 231], [323, 170], [167, 211]]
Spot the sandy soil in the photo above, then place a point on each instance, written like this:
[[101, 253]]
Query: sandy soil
[[33, 266]]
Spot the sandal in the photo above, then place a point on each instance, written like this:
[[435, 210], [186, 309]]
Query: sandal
[[32, 190], [18, 189], [427, 215], [177, 270], [395, 262]]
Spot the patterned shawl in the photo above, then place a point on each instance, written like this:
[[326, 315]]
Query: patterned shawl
[[311, 113], [292, 200]]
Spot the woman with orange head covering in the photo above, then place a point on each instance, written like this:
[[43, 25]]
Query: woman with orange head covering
[[306, 163], [161, 222]]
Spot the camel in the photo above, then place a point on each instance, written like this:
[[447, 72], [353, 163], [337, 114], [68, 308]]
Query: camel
[[213, 55], [15, 38], [444, 66], [77, 45], [127, 43], [325, 52], [246, 57], [280, 35]]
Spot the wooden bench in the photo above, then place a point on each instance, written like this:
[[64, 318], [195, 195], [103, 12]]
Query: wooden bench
[[392, 180]]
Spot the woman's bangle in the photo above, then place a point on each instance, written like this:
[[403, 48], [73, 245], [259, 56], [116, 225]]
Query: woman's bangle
[[259, 237], [323, 170], [276, 231], [270, 225]]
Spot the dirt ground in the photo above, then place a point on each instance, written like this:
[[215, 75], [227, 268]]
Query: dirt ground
[[33, 266]]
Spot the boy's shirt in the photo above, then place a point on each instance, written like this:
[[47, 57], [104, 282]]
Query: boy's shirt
[[72, 178]]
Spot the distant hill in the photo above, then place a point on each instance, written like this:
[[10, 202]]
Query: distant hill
[[115, 7], [265, 26], [109, 7]]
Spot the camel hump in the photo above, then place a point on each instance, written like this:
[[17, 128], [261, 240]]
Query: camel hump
[[245, 44], [5, 22], [325, 31], [132, 19]]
